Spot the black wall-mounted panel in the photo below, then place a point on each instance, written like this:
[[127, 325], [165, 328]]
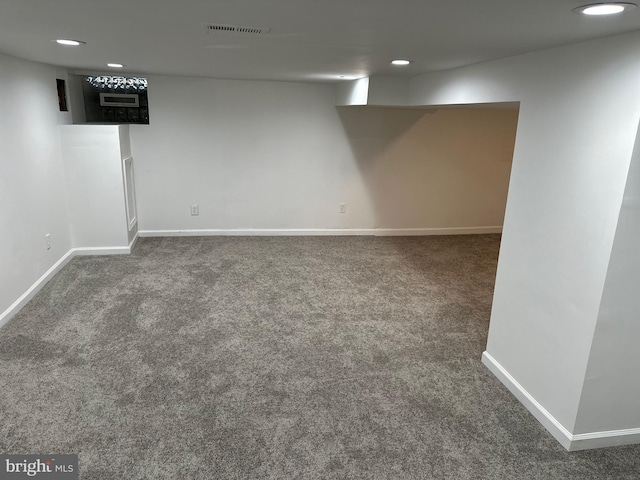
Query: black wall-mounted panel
[[93, 86]]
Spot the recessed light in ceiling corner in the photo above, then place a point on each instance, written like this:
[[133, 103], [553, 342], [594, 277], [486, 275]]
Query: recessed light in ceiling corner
[[598, 9], [69, 43], [115, 65], [401, 61]]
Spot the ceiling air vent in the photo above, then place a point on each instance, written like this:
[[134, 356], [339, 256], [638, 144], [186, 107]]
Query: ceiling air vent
[[218, 27]]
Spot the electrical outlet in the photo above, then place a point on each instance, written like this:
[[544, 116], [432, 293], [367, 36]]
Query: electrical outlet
[[195, 209], [47, 241], [343, 208]]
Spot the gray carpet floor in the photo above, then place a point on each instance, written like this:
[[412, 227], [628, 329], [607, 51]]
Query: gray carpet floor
[[276, 358]]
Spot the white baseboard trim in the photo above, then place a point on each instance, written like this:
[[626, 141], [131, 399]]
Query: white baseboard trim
[[383, 232], [106, 250], [571, 442], [404, 232], [10, 312], [82, 251], [547, 420], [253, 232], [611, 438]]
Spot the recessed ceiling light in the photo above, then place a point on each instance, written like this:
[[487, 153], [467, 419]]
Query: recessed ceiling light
[[605, 8], [115, 65], [400, 62], [70, 43]]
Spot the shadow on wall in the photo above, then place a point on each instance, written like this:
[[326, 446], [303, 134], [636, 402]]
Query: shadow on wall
[[432, 169]]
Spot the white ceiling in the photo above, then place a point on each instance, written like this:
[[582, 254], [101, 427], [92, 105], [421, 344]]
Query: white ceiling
[[310, 40]]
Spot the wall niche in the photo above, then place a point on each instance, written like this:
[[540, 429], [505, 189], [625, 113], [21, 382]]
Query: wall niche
[[115, 99]]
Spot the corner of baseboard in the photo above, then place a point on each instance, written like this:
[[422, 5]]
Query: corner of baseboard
[[548, 421], [133, 242], [10, 312], [569, 441], [31, 292]]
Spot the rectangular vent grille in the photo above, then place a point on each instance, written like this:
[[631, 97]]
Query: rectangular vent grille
[[218, 27]]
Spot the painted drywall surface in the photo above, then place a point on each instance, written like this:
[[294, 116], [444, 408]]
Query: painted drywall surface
[[425, 169], [611, 392], [93, 167], [387, 90], [76, 99], [573, 149], [352, 92], [32, 183], [252, 155], [272, 155]]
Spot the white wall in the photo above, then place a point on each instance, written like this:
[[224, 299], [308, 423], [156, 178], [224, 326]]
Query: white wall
[[32, 183], [611, 392], [76, 97], [252, 155], [92, 157], [425, 169], [273, 155], [579, 113], [353, 92], [387, 90]]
